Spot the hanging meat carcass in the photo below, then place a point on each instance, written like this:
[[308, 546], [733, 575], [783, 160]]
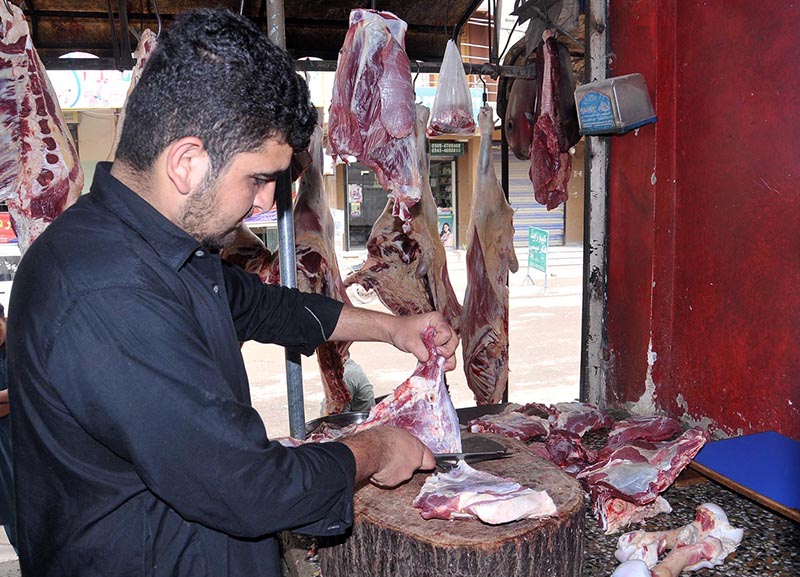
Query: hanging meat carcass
[[490, 255], [317, 267], [147, 42], [407, 263], [248, 252], [555, 129], [318, 270], [40, 174], [372, 108]]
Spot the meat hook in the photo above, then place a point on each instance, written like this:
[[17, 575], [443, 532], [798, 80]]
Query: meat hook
[[158, 18], [485, 93], [241, 7]]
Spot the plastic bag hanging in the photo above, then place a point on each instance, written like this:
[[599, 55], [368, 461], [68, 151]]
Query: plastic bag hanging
[[452, 107]]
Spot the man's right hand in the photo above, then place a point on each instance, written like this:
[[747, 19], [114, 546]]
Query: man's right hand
[[388, 456]]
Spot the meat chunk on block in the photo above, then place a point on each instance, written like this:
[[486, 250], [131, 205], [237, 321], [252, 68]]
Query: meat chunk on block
[[466, 493]]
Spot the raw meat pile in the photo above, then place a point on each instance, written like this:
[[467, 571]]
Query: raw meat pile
[[40, 173], [555, 128], [490, 255], [372, 109], [642, 457], [422, 406], [406, 264], [145, 47], [705, 542], [637, 473], [464, 493]]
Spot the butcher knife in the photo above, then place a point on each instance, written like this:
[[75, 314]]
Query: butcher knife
[[475, 448], [451, 459]]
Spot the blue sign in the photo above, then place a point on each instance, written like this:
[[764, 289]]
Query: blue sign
[[596, 113]]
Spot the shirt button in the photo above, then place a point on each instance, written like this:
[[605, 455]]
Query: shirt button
[[215, 288], [200, 253]]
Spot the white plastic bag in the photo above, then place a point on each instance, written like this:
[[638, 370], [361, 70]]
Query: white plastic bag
[[452, 107]]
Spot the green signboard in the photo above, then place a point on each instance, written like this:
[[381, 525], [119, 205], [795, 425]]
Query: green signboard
[[538, 241], [445, 148]]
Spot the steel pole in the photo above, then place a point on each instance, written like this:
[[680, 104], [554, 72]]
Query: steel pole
[[276, 32]]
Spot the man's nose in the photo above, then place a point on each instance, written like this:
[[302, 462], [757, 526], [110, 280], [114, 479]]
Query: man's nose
[[265, 199]]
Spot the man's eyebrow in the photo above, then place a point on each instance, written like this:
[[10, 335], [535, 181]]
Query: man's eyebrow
[[266, 175]]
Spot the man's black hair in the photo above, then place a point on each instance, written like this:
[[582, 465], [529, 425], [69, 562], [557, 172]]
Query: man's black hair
[[215, 76]]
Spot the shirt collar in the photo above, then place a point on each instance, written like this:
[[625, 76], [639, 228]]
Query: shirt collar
[[172, 244]]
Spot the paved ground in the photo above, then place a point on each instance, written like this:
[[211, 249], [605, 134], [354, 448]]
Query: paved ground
[[545, 334]]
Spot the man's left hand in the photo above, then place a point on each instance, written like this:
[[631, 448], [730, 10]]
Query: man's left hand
[[407, 336]]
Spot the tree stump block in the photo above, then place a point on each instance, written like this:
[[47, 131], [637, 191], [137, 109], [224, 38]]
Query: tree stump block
[[390, 538]]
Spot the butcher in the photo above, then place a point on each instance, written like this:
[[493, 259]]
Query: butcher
[[136, 448]]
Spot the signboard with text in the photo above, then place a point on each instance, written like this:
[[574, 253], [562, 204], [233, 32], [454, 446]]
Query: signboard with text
[[446, 148]]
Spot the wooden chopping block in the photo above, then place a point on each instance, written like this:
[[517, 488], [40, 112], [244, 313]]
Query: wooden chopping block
[[391, 539]]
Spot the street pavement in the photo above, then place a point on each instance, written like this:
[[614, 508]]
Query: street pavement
[[544, 345]]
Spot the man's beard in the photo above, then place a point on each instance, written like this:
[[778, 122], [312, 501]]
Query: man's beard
[[197, 218]]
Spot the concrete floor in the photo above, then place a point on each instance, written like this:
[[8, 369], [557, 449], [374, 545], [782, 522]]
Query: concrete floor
[[544, 356]]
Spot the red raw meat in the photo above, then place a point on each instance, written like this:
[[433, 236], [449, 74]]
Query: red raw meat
[[465, 493], [452, 121], [567, 451], [318, 269], [40, 173], [376, 125], [614, 514], [640, 471], [578, 418], [422, 406], [511, 423], [637, 473], [647, 427], [407, 263], [249, 252], [551, 164], [490, 256]]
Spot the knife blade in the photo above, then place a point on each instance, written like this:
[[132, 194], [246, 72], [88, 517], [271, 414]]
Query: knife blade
[[469, 457]]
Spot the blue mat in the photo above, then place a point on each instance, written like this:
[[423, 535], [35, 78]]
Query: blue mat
[[765, 463]]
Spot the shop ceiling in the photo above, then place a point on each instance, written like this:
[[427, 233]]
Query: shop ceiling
[[313, 28]]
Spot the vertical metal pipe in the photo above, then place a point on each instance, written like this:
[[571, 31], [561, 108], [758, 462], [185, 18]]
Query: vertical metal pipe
[[504, 182], [593, 387], [283, 198]]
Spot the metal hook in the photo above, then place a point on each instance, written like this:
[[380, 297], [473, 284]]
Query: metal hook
[[158, 18], [414, 81], [8, 5], [241, 7], [485, 92]]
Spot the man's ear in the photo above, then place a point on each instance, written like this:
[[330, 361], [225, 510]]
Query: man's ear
[[186, 163]]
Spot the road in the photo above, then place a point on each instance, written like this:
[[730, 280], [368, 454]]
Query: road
[[544, 355]]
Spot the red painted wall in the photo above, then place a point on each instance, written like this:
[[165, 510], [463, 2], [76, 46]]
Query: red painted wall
[[704, 215]]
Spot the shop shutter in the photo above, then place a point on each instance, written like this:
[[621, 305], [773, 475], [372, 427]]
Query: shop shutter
[[528, 212]]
